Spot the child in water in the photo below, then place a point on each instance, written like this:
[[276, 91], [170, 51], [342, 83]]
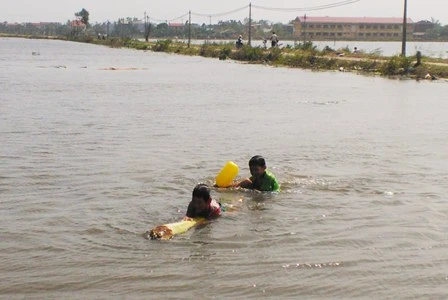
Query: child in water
[[202, 204], [261, 179]]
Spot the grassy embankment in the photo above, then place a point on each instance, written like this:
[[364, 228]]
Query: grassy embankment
[[304, 56]]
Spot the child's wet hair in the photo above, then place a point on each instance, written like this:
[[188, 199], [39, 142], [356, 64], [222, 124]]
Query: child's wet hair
[[202, 191], [257, 160]]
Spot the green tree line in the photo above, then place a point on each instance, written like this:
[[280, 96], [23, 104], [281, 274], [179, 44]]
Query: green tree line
[[134, 28]]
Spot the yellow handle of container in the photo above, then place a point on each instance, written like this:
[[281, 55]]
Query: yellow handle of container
[[227, 174]]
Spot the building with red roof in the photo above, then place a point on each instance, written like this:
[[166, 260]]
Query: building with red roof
[[176, 24], [350, 28], [78, 24]]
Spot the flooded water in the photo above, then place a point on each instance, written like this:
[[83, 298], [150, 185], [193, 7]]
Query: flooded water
[[429, 49], [91, 158], [385, 48]]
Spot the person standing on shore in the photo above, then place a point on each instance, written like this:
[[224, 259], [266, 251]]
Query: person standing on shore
[[239, 42], [274, 40]]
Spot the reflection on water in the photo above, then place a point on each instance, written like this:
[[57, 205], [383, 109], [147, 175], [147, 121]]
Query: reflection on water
[[92, 157]]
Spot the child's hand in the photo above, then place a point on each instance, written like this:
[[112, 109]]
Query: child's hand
[[188, 218]]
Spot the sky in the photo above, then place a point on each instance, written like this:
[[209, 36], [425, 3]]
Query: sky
[[158, 10]]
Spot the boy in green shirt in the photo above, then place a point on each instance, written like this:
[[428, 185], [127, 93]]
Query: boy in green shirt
[[261, 179]]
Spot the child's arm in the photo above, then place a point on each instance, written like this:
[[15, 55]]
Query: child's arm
[[246, 184], [276, 186]]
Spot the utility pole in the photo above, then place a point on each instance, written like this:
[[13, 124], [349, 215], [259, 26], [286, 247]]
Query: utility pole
[[147, 27], [189, 28], [209, 28], [250, 24], [405, 25], [304, 29]]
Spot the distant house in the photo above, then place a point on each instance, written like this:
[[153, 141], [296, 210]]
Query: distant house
[[77, 25], [422, 28], [45, 24], [350, 28], [15, 24], [176, 25]]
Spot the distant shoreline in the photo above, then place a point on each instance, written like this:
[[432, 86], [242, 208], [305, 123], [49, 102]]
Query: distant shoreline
[[49, 37], [304, 56], [35, 37]]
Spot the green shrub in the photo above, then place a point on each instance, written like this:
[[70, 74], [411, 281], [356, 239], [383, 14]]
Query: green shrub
[[208, 51], [161, 46], [328, 50], [437, 71], [127, 42], [190, 51], [328, 63], [396, 65], [303, 59], [115, 42], [420, 71], [366, 65], [225, 52], [273, 55], [248, 53], [306, 46], [345, 50], [141, 46]]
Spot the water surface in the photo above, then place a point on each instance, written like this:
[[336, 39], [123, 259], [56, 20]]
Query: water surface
[[385, 48], [91, 158]]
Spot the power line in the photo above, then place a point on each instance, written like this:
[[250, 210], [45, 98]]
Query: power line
[[203, 15], [220, 14], [167, 21], [311, 8]]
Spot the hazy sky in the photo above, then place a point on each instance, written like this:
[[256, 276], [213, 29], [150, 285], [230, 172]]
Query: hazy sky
[[103, 10]]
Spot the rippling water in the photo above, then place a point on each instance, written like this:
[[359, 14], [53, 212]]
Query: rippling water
[[91, 158]]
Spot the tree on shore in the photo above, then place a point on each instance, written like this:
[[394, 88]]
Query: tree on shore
[[83, 16]]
